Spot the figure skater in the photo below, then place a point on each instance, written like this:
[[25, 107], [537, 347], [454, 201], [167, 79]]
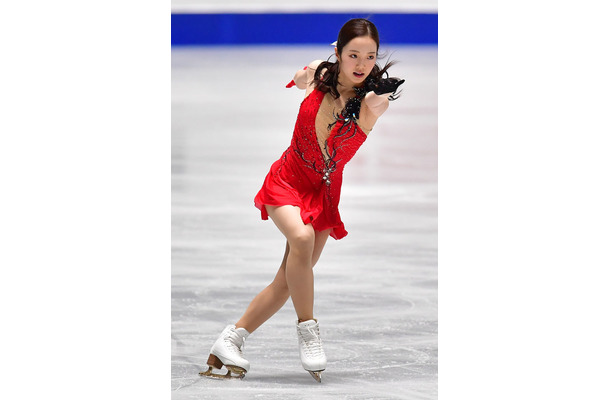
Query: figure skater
[[343, 100]]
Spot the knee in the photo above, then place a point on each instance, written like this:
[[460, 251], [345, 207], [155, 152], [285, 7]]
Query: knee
[[302, 242]]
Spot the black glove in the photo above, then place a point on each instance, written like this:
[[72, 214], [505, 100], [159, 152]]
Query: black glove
[[382, 86]]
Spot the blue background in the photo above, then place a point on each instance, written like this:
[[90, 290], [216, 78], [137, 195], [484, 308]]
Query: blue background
[[283, 28]]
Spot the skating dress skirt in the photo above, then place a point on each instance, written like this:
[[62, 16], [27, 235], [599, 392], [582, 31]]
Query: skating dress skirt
[[308, 175]]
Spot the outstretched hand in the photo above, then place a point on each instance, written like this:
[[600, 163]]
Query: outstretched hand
[[388, 85]]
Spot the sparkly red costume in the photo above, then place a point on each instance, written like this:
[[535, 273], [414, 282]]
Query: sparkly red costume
[[309, 176]]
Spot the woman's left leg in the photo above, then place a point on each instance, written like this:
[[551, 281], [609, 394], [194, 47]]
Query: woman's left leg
[[273, 297]]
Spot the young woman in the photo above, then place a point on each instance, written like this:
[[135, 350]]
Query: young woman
[[343, 100]]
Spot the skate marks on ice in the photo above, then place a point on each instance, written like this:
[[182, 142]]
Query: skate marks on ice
[[380, 338], [394, 358], [364, 363]]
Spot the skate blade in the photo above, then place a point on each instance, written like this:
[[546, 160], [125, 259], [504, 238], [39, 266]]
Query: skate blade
[[317, 375], [215, 362], [232, 373]]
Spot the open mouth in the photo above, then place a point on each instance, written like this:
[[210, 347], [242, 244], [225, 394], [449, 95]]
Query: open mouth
[[359, 75]]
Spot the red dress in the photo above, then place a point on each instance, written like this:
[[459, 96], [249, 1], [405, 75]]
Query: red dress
[[305, 177]]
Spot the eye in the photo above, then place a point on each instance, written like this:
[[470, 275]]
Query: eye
[[352, 56], [371, 57]]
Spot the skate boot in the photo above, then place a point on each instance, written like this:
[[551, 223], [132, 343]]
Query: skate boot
[[310, 346], [227, 351]]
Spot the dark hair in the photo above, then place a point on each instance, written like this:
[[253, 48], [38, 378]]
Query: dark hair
[[353, 28]]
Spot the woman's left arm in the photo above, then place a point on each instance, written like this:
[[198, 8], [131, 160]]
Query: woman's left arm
[[377, 100], [376, 103]]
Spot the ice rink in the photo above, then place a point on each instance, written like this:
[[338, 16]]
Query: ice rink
[[376, 289]]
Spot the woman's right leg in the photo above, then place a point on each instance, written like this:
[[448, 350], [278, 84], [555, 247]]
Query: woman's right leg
[[268, 301], [274, 296]]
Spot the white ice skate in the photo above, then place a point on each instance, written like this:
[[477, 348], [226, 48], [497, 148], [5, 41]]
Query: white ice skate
[[310, 346], [227, 351]]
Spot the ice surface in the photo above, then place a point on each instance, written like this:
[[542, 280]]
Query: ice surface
[[376, 290]]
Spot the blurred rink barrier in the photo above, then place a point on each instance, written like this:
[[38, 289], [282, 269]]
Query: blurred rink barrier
[[233, 22]]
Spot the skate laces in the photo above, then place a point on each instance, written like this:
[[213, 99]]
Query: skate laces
[[312, 343], [235, 341]]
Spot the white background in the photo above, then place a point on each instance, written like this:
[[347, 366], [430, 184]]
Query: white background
[[303, 6], [523, 201]]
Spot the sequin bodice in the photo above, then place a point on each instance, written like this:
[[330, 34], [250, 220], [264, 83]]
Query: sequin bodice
[[320, 156]]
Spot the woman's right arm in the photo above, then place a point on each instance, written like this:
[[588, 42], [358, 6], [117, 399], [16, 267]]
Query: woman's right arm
[[304, 78]]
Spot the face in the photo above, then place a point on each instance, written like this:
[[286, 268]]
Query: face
[[357, 59]]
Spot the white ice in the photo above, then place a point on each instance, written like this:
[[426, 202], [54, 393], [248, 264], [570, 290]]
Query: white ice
[[376, 289]]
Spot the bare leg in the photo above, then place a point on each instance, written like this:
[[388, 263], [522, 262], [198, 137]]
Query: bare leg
[[274, 296], [268, 301], [299, 273], [318, 246]]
